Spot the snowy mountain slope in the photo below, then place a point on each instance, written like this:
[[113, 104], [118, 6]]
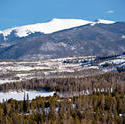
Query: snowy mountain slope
[[100, 21], [49, 27], [53, 26], [105, 21], [97, 40]]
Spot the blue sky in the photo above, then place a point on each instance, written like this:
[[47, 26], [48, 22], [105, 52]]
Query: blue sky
[[22, 12]]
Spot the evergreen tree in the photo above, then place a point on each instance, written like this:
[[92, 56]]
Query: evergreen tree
[[24, 104]]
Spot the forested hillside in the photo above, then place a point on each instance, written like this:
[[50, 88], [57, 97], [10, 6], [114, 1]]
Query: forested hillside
[[92, 100]]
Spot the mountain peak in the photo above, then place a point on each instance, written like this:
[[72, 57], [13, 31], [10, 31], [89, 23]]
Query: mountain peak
[[85, 40], [70, 21], [104, 21], [49, 27]]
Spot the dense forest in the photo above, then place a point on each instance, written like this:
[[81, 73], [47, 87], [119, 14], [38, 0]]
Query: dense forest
[[96, 99], [98, 108], [103, 82]]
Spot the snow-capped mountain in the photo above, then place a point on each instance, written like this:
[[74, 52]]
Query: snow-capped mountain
[[101, 21], [105, 21], [49, 27], [62, 38]]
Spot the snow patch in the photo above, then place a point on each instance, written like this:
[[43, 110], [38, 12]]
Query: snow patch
[[101, 21], [20, 95], [115, 61], [7, 81], [123, 36], [1, 32], [105, 21], [53, 26]]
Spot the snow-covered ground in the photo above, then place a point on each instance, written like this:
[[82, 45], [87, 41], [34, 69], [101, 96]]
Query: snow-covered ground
[[15, 71], [102, 21], [20, 95], [115, 61], [7, 81]]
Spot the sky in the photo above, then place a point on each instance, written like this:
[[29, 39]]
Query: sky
[[22, 12]]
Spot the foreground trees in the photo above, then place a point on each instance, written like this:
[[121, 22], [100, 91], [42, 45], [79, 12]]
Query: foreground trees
[[102, 102], [98, 108]]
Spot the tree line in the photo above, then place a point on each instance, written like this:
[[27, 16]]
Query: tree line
[[107, 82]]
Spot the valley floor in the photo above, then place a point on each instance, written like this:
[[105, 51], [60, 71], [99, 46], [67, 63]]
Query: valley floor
[[73, 90]]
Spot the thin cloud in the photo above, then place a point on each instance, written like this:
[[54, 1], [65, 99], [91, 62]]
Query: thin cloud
[[110, 12]]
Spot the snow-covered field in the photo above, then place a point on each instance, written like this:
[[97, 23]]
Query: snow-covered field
[[7, 81], [24, 70], [20, 95], [16, 71], [115, 61]]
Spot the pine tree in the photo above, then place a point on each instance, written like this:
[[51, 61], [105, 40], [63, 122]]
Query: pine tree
[[5, 109], [24, 104], [27, 102]]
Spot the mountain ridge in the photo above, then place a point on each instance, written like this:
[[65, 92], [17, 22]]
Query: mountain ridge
[[98, 40], [52, 26]]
